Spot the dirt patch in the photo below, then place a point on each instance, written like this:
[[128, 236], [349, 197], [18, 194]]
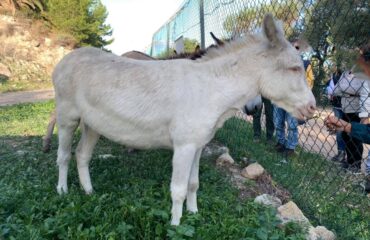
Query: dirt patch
[[250, 189], [12, 98]]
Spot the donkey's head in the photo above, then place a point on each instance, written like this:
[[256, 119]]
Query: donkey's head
[[283, 78]]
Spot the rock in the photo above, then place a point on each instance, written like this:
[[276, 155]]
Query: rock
[[320, 233], [106, 156], [4, 71], [268, 200], [21, 152], [252, 171], [213, 150], [290, 212], [225, 158], [47, 42]]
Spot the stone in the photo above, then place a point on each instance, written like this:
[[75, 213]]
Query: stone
[[320, 233], [4, 71], [225, 158], [252, 171], [106, 156], [290, 212], [47, 42], [268, 200], [213, 150]]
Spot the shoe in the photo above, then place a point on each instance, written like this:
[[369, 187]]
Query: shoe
[[340, 157], [289, 152], [279, 147], [353, 167], [367, 183]]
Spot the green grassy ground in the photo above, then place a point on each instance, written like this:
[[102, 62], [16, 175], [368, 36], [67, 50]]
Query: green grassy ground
[[327, 194], [131, 199]]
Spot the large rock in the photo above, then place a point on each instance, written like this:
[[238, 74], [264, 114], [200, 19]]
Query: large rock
[[224, 159], [290, 212], [268, 200], [252, 171], [320, 233]]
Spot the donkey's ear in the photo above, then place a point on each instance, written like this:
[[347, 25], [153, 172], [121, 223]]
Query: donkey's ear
[[302, 45], [273, 31], [218, 41]]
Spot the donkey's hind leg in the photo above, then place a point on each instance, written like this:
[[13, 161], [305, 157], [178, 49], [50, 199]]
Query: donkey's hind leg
[[85, 147], [65, 135]]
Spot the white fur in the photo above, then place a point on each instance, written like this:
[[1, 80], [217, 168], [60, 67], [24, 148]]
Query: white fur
[[177, 104]]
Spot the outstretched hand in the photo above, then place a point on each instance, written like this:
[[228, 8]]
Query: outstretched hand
[[335, 124]]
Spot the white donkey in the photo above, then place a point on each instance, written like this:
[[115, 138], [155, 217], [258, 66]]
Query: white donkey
[[175, 104]]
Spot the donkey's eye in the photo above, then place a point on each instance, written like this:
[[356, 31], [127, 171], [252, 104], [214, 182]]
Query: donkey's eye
[[295, 69]]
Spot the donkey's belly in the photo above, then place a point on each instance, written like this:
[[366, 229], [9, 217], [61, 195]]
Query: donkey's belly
[[129, 133]]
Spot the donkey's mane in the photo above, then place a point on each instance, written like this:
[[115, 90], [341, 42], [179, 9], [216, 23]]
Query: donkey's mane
[[231, 46]]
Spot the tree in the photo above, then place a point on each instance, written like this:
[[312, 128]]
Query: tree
[[83, 19], [335, 29], [249, 19], [337, 26]]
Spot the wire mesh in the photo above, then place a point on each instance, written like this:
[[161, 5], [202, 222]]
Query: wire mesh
[[329, 193]]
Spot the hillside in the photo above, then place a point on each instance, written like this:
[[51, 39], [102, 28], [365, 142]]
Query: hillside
[[28, 53]]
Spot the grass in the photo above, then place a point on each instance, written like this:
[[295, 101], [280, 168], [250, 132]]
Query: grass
[[131, 199], [327, 194]]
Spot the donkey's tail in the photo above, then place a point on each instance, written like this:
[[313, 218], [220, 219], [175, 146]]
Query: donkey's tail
[[46, 140]]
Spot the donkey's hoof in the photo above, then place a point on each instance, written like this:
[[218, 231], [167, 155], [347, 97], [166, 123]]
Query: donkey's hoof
[[192, 210], [62, 189], [89, 191], [175, 222]]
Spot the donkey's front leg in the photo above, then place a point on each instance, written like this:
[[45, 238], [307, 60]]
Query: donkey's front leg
[[182, 162], [85, 147], [193, 185]]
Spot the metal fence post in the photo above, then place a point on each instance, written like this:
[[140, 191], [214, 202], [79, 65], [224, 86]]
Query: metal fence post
[[168, 38], [201, 20]]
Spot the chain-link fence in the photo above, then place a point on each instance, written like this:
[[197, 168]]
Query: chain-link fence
[[323, 173]]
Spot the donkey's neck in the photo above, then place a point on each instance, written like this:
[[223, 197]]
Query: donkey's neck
[[234, 83]]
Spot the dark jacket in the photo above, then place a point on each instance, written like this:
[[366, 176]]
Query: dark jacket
[[361, 132]]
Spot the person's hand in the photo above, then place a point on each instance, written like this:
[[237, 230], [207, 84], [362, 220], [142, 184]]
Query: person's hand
[[364, 120], [335, 124]]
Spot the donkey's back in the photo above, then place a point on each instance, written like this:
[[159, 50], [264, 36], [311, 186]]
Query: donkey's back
[[101, 88]]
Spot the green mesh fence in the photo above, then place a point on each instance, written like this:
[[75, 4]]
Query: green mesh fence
[[328, 193]]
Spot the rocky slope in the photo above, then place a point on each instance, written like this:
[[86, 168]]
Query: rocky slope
[[28, 53]]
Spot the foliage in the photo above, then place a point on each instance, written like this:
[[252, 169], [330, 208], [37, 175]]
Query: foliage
[[83, 19], [336, 28], [190, 45], [131, 199], [250, 18]]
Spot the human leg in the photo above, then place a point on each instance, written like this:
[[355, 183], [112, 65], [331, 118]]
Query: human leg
[[269, 111]]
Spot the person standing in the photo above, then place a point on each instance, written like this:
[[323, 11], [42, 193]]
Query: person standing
[[354, 92], [270, 128], [337, 110], [287, 143]]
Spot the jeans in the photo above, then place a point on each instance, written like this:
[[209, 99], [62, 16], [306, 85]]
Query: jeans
[[280, 117], [269, 120], [340, 142]]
